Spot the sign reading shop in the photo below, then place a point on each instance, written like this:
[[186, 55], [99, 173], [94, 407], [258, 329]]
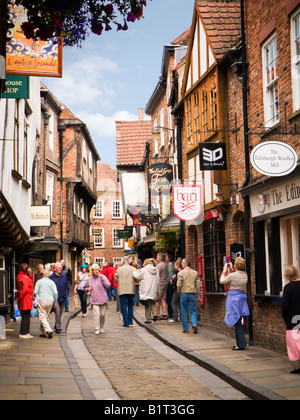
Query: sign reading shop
[[160, 176], [275, 199], [212, 156]]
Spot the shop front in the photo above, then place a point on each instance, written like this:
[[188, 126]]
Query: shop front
[[275, 208]]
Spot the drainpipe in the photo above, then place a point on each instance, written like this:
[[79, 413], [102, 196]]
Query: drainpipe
[[247, 162], [61, 129], [178, 123]]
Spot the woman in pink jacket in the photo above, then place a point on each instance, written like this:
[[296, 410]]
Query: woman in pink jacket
[[24, 299], [97, 285]]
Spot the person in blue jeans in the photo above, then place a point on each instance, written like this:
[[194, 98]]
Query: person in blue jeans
[[188, 285]]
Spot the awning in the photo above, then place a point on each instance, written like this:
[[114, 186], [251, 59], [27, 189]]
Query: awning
[[170, 224], [46, 244]]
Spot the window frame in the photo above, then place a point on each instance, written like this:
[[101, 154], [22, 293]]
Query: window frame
[[116, 242], [100, 244], [114, 215], [270, 87], [295, 60]]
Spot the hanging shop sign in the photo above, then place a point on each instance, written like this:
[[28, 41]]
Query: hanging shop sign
[[40, 216], [125, 233], [160, 175], [17, 87], [212, 156], [149, 218], [187, 201], [274, 158], [27, 57]]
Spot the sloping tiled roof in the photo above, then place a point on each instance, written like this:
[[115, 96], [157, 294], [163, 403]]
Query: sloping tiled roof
[[182, 39], [131, 141], [223, 24]]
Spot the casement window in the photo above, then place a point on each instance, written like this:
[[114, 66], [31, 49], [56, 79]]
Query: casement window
[[270, 80], [99, 239], [25, 148], [51, 130], [117, 243], [201, 112], [3, 281], [295, 57], [100, 261], [162, 131], [214, 251], [197, 124], [117, 260], [17, 123], [116, 209], [155, 140], [189, 123], [99, 209], [213, 103], [204, 99], [50, 190]]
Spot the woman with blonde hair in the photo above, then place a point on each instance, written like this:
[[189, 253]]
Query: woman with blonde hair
[[291, 315], [236, 303], [97, 285]]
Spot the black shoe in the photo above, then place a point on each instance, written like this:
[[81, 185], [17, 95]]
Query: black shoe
[[58, 330], [148, 322], [155, 318], [126, 326], [49, 334]]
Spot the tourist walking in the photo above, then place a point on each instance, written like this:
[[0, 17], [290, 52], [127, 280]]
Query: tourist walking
[[291, 315], [81, 281], [148, 279], [63, 287], [24, 299], [46, 292], [176, 296], [126, 290], [97, 285], [67, 271], [163, 285], [236, 302], [188, 285]]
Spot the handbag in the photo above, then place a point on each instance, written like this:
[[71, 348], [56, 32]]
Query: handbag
[[76, 303]]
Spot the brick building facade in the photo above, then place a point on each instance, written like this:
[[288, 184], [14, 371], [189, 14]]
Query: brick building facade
[[107, 217], [252, 209]]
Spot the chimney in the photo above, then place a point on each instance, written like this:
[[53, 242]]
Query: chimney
[[141, 114]]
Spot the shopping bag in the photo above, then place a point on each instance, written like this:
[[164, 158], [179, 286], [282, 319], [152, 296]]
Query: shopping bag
[[76, 302]]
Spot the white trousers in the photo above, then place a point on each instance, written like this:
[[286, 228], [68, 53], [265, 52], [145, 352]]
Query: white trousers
[[44, 308], [99, 316]]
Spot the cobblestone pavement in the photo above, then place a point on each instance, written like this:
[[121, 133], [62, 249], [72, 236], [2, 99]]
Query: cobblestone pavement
[[139, 367]]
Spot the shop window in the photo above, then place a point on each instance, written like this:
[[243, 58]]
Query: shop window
[[277, 245], [214, 251], [2, 282]]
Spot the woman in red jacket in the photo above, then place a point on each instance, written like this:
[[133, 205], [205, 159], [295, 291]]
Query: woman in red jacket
[[24, 299]]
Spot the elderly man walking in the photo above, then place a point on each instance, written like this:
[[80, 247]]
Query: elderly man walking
[[126, 290], [63, 287], [188, 285]]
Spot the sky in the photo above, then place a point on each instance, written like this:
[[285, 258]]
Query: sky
[[115, 74]]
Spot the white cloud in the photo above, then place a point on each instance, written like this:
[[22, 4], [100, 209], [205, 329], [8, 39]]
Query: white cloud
[[101, 125], [87, 80]]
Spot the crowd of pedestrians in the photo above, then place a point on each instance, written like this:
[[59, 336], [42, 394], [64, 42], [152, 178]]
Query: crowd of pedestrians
[[168, 290]]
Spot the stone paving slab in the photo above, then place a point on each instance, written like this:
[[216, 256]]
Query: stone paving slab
[[260, 373]]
